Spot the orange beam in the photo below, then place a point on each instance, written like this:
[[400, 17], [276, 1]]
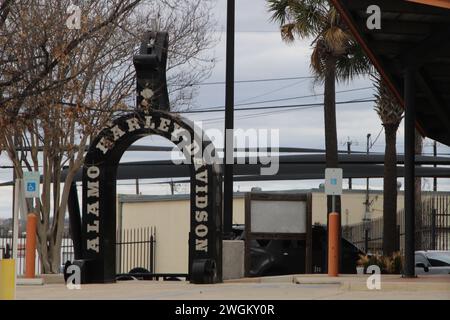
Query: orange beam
[[354, 30], [434, 3]]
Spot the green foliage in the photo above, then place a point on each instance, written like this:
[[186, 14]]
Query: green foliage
[[387, 106], [317, 20]]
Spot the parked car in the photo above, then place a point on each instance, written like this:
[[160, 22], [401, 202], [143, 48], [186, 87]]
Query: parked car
[[280, 257], [432, 262]]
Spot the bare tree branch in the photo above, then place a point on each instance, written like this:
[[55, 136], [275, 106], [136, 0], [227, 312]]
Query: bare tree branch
[[60, 87]]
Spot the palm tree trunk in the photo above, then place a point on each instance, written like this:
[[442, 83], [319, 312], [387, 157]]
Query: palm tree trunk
[[331, 155], [331, 151], [390, 191], [331, 148]]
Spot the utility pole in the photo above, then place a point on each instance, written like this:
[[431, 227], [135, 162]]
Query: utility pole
[[435, 155], [14, 199], [229, 123], [349, 151], [366, 219], [367, 179], [137, 187], [349, 143]]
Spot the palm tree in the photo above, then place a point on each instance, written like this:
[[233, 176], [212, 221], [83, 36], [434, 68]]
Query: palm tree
[[391, 114], [336, 55]]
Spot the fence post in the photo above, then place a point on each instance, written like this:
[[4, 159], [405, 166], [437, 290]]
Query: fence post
[[151, 251], [8, 250], [366, 239], [433, 229]]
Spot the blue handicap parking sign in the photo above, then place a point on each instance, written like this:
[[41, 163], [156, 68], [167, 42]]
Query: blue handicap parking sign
[[31, 182], [31, 186], [333, 181]]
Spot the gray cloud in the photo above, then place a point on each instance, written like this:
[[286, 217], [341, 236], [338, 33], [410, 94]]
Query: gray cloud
[[260, 53]]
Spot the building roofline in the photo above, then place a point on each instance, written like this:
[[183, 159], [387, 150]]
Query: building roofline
[[132, 198]]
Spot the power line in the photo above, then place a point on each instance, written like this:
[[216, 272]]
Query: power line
[[261, 114], [278, 107], [294, 108], [376, 139], [250, 81], [272, 91], [281, 99], [211, 110], [211, 83], [300, 97]]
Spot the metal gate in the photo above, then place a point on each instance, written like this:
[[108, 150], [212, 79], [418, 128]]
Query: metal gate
[[135, 248], [432, 228]]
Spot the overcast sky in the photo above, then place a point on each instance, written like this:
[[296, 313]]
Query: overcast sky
[[260, 54]]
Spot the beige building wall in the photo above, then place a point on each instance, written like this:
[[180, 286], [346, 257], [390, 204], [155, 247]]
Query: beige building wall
[[170, 216], [171, 219], [239, 210], [353, 206]]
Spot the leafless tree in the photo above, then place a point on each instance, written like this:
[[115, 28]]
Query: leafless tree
[[59, 87]]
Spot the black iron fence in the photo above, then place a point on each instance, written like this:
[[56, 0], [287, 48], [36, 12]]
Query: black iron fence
[[6, 246], [432, 228], [135, 249]]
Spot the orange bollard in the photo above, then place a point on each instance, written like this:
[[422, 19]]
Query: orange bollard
[[333, 244], [30, 247]]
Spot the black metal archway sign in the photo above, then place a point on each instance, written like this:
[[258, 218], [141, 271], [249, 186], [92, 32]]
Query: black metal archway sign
[[96, 254], [99, 194]]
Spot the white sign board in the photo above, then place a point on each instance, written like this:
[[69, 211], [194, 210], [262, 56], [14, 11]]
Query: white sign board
[[31, 182], [278, 216], [333, 181]]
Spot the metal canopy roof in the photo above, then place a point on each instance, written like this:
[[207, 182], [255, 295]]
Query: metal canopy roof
[[410, 33], [292, 167]]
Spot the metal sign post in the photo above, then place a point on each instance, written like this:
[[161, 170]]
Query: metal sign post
[[20, 212], [26, 188], [333, 187], [16, 219], [30, 187]]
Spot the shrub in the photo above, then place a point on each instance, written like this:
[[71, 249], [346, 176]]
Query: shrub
[[387, 264]]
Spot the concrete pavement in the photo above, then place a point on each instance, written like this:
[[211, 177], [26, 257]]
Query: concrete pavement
[[298, 287]]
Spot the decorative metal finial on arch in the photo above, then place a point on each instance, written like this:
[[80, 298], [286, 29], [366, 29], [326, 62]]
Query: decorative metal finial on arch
[[150, 65], [152, 117]]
